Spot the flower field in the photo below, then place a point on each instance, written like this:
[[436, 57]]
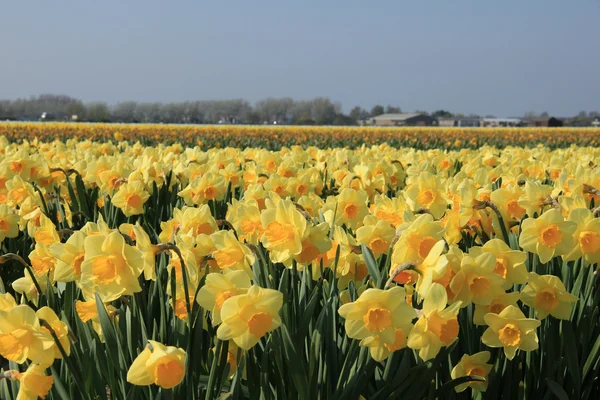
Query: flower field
[[276, 137], [181, 262]]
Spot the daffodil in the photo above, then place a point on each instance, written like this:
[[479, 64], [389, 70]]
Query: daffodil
[[476, 366], [284, 230], [587, 236], [510, 264], [427, 193], [220, 287], [381, 319], [511, 330], [9, 223], [548, 235], [33, 383], [230, 253], [248, 317], [498, 303], [375, 234], [111, 267], [159, 365], [349, 208], [130, 198], [437, 326], [69, 257], [21, 336], [546, 294]]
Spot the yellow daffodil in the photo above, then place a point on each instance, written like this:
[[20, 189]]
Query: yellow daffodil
[[130, 198], [546, 294], [248, 317], [548, 236], [230, 253], [69, 257], [220, 287], [284, 230], [381, 319], [498, 303], [9, 223], [427, 193], [510, 264], [437, 326], [511, 330], [159, 365], [110, 268], [587, 236], [34, 383], [377, 235], [21, 337], [475, 365]]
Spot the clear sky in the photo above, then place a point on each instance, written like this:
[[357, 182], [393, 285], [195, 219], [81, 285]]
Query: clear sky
[[502, 57]]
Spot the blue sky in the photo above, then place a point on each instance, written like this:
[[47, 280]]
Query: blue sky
[[502, 57]]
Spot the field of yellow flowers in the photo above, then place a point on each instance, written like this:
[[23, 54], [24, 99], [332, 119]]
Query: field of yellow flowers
[[134, 267], [275, 137]]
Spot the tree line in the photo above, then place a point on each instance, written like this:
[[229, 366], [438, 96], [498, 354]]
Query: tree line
[[285, 110], [318, 111]]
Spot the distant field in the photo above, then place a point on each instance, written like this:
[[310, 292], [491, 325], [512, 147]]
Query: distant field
[[276, 137]]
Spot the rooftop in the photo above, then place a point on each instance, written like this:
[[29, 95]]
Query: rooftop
[[397, 117]]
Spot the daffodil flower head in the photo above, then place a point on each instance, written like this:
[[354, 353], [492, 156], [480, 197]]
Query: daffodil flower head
[[511, 330]]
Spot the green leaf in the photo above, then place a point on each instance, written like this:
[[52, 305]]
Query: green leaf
[[592, 357], [295, 363], [371, 265], [570, 351], [557, 390]]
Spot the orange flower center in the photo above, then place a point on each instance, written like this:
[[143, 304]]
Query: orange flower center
[[259, 324], [425, 246], [406, 277], [510, 335], [210, 192], [546, 300], [10, 347], [301, 189], [500, 268], [134, 201], [168, 373], [496, 308], [377, 319], [4, 226], [222, 296], [278, 233], [551, 236], [514, 209], [476, 371], [426, 197], [589, 242], [77, 263], [445, 329], [399, 343], [480, 286], [379, 246], [105, 269], [351, 211]]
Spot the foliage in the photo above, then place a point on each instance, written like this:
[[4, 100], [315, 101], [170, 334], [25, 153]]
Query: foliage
[[128, 244]]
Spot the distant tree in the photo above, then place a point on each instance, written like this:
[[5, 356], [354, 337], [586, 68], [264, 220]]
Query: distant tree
[[442, 114], [323, 111], [98, 112], [355, 113], [344, 120], [377, 110], [364, 115], [392, 110]]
